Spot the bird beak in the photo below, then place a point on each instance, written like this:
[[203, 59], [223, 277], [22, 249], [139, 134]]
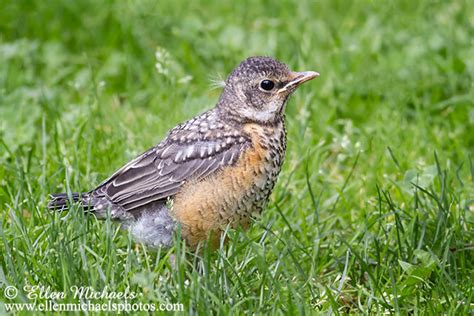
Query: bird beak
[[299, 78]]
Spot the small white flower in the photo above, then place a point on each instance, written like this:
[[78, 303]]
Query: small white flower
[[185, 79], [345, 142], [162, 61]]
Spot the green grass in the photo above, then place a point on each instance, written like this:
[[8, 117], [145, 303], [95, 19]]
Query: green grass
[[374, 209]]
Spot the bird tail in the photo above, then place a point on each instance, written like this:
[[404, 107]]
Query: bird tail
[[61, 201]]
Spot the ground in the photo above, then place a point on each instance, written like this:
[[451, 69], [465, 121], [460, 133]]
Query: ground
[[373, 211]]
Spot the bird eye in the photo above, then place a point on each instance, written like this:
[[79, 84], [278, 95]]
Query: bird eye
[[267, 85]]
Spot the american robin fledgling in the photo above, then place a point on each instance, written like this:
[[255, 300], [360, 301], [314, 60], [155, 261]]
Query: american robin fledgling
[[216, 169]]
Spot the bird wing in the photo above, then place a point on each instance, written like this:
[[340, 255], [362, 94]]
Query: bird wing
[[161, 171]]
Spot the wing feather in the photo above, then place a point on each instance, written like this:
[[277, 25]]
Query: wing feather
[[161, 171]]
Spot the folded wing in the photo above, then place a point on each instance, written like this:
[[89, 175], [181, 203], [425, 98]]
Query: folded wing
[[160, 172]]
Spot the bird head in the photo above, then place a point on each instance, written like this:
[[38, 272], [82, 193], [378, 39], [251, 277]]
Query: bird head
[[258, 89]]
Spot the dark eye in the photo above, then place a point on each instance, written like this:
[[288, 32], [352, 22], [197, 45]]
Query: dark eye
[[267, 85]]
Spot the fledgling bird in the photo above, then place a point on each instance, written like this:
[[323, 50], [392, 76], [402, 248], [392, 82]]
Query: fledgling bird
[[216, 169]]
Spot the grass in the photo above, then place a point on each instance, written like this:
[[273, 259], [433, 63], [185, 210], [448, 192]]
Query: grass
[[374, 209]]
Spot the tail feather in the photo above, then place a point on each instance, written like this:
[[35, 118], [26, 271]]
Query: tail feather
[[60, 201]]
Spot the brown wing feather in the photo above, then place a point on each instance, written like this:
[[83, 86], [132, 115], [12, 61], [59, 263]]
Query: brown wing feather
[[161, 171]]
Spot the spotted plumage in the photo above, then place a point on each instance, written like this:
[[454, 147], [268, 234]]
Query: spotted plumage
[[216, 169]]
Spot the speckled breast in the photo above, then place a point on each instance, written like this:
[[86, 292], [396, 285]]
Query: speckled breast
[[237, 192], [272, 143]]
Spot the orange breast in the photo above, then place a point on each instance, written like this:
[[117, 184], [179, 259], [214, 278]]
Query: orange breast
[[209, 205]]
